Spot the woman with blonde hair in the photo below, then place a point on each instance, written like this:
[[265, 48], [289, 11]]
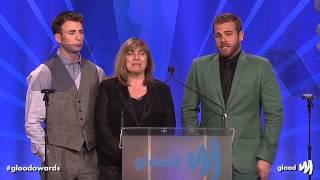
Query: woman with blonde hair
[[134, 95]]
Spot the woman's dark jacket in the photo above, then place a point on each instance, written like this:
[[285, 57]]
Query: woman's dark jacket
[[113, 98]]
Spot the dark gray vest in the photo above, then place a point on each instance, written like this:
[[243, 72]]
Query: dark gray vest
[[71, 112]]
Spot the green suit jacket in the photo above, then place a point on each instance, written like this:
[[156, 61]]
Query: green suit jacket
[[253, 90]]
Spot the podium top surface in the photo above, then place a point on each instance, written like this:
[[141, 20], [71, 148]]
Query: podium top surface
[[169, 131]]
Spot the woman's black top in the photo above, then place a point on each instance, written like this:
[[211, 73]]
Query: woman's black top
[[154, 109]]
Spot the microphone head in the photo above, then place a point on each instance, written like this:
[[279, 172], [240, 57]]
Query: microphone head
[[171, 69], [307, 96], [48, 91]]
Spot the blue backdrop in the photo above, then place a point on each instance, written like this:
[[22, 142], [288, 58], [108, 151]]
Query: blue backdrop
[[177, 31]]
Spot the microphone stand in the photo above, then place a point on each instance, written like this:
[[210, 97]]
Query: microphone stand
[[309, 98], [223, 115], [122, 126], [46, 93]]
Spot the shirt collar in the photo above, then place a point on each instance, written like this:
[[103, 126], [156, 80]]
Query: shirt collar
[[233, 59], [66, 61]]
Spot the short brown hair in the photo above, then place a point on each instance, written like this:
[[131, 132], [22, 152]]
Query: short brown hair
[[62, 18], [228, 17], [120, 69]]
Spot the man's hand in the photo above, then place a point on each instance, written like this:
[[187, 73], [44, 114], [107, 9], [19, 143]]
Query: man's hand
[[263, 168]]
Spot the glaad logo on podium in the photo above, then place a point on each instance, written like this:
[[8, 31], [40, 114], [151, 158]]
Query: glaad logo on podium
[[305, 167], [207, 161]]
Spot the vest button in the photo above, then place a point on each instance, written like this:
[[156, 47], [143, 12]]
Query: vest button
[[80, 110], [79, 101], [81, 119]]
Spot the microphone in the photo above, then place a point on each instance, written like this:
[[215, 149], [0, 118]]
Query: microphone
[[309, 98], [53, 51], [128, 101], [223, 115], [48, 91]]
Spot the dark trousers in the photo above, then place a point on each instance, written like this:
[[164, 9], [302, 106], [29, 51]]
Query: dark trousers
[[110, 173]]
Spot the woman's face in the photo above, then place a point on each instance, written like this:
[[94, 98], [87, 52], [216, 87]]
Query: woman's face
[[136, 61]]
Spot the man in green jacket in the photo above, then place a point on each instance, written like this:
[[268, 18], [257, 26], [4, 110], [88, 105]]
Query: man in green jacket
[[243, 86]]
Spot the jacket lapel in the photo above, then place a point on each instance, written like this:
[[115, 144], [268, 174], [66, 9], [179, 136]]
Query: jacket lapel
[[241, 66], [215, 73]]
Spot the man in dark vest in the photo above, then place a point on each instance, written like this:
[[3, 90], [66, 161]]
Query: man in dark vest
[[70, 115]]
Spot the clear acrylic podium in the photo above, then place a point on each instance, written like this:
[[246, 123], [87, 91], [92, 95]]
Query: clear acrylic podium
[[173, 153]]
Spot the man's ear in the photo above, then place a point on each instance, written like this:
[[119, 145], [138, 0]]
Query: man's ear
[[58, 38], [241, 35]]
